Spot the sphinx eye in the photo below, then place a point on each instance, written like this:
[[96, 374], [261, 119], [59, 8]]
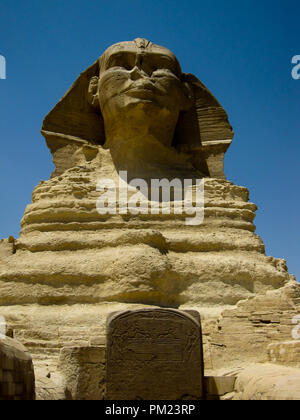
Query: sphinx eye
[[161, 72], [163, 66], [127, 66], [120, 61], [167, 65]]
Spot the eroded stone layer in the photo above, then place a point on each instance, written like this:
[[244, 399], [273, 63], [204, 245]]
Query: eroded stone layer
[[68, 253]]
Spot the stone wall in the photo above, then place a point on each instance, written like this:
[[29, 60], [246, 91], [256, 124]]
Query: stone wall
[[243, 335], [16, 371]]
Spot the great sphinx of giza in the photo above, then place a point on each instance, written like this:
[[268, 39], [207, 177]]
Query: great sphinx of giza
[[132, 110]]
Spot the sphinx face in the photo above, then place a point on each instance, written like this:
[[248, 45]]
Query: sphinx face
[[143, 81]]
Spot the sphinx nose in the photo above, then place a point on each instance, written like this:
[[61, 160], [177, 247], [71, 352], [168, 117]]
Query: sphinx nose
[[137, 73]]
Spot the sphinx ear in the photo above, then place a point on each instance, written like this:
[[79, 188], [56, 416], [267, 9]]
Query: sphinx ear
[[93, 96], [188, 97]]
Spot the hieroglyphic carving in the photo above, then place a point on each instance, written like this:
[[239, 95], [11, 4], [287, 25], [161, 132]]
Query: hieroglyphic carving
[[154, 354]]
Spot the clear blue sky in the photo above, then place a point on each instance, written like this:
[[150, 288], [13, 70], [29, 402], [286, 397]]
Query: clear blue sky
[[241, 50]]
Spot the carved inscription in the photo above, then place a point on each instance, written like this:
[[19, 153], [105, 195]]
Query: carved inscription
[[154, 354]]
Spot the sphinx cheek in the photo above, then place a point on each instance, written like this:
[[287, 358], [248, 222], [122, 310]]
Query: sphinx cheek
[[111, 85], [173, 97], [113, 81]]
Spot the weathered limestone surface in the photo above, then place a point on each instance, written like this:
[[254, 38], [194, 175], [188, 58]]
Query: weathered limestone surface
[[50, 386], [217, 387], [286, 353], [268, 382], [47, 330], [154, 355], [243, 334], [67, 254], [16, 371], [84, 370]]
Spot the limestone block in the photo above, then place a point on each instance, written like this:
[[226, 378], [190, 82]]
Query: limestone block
[[7, 247], [17, 381], [243, 334], [217, 386], [50, 386], [286, 353], [268, 382], [83, 369]]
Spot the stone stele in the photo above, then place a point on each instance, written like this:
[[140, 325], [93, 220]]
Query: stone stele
[[135, 110], [154, 355]]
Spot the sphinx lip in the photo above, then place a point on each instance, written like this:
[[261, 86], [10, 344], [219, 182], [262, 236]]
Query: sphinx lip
[[143, 87], [141, 93], [144, 92]]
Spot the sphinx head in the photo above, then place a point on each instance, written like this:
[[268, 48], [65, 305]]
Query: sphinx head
[[136, 92], [140, 91]]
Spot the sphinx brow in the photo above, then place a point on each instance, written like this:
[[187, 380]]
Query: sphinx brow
[[162, 58], [120, 54], [130, 56]]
